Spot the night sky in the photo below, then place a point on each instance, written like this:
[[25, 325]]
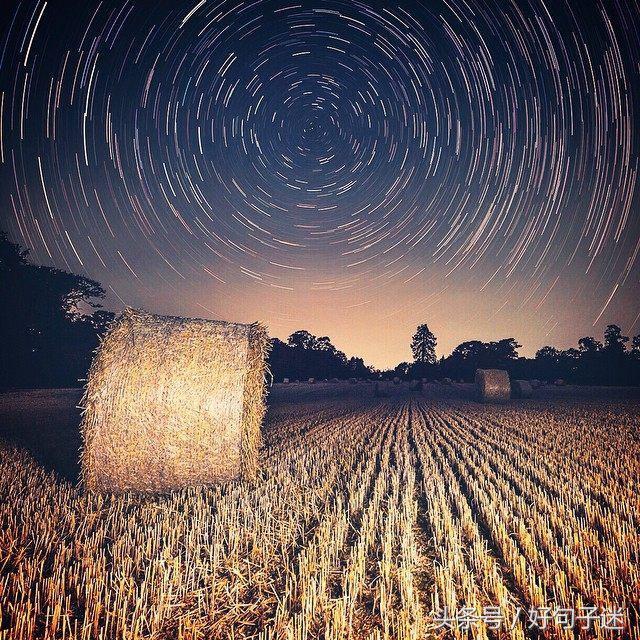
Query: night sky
[[352, 168]]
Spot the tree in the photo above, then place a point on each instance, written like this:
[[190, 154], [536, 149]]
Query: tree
[[502, 353], [302, 339], [306, 356], [402, 370], [613, 339], [589, 345], [46, 337], [423, 345]]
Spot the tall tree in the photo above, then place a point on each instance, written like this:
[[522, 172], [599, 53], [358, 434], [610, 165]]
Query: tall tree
[[423, 345]]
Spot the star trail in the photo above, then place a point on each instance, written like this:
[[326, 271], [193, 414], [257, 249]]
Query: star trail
[[349, 167]]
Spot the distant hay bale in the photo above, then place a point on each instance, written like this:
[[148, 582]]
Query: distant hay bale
[[173, 402], [311, 381], [285, 380], [492, 385], [521, 389]]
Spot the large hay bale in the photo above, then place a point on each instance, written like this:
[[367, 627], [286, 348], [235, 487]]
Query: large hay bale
[[521, 389], [173, 402], [492, 385]]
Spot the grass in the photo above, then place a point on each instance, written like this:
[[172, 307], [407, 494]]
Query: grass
[[370, 514]]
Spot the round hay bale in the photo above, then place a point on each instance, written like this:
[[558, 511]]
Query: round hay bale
[[172, 403], [521, 389], [492, 385]]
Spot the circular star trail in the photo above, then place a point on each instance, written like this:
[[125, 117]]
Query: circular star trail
[[352, 152]]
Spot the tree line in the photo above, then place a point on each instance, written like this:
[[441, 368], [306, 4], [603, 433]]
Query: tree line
[[613, 361], [51, 322]]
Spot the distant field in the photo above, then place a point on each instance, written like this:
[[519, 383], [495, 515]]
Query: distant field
[[376, 511]]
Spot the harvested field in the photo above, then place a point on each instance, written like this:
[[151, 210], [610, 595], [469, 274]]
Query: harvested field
[[373, 512]]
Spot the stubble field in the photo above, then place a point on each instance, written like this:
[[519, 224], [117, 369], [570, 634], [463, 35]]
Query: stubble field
[[402, 514]]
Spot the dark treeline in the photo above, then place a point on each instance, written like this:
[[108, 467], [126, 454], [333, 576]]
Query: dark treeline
[[51, 320], [610, 362], [592, 362], [614, 361]]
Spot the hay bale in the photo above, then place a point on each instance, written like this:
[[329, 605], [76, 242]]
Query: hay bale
[[521, 389], [492, 385], [173, 402], [311, 381]]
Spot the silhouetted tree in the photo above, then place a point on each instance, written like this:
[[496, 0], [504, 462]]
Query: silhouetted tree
[[615, 365], [614, 340], [302, 339], [402, 370], [306, 356], [589, 345], [423, 345], [47, 338]]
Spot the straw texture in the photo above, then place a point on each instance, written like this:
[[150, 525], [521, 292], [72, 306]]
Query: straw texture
[[492, 385], [173, 402]]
